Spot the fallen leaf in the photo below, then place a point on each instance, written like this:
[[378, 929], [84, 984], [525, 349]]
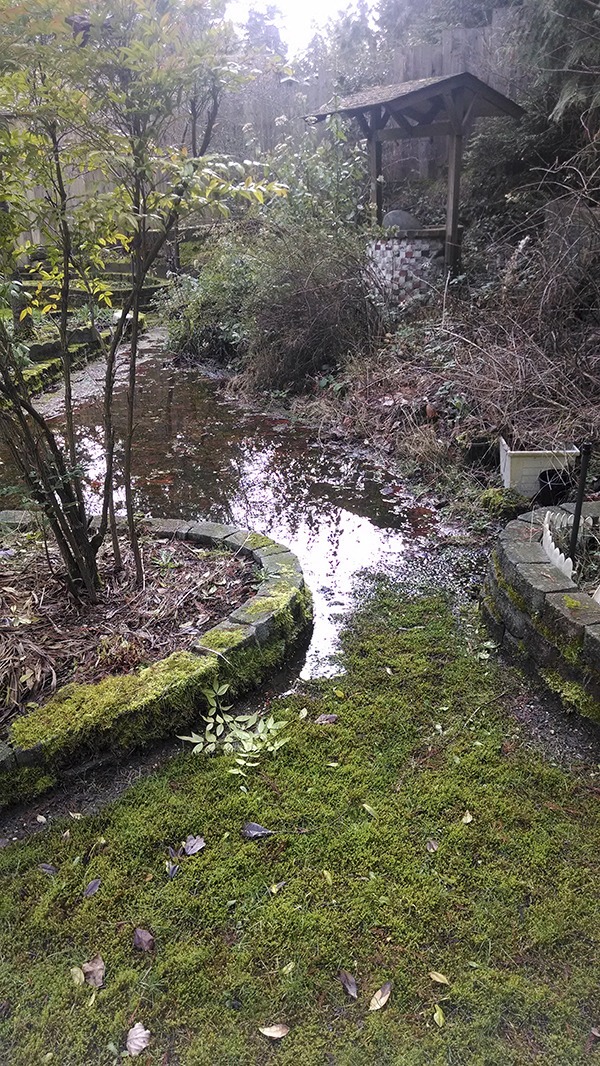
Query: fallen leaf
[[467, 818], [438, 1016], [328, 877], [339, 693], [78, 975], [138, 1039], [432, 845], [439, 978], [275, 888], [274, 1032], [254, 831], [143, 940], [76, 815], [349, 983], [303, 713], [288, 968], [92, 888], [66, 835], [47, 868], [326, 719], [92, 998], [93, 971], [381, 997], [369, 810], [40, 818], [193, 845]]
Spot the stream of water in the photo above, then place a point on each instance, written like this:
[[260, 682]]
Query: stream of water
[[201, 456]]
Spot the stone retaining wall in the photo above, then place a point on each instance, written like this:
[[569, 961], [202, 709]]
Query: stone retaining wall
[[541, 616], [103, 721]]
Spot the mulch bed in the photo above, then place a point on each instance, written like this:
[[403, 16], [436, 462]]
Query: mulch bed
[[47, 639]]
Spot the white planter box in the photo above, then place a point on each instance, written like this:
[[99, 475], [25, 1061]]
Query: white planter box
[[521, 470]]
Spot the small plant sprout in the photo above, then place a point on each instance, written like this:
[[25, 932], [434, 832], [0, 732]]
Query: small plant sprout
[[247, 737]]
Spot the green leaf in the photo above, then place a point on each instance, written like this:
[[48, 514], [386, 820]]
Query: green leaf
[[438, 1016], [439, 978]]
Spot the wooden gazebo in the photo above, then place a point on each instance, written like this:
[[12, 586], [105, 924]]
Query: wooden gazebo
[[430, 107]]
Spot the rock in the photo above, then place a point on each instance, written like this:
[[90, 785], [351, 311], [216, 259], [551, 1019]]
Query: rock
[[401, 219]]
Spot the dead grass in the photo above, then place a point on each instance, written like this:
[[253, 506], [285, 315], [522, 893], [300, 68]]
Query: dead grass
[[519, 357]]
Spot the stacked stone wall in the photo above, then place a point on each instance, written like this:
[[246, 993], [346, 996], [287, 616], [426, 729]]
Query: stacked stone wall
[[541, 616]]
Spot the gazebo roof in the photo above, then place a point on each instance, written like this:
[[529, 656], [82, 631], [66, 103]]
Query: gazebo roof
[[426, 103], [430, 107]]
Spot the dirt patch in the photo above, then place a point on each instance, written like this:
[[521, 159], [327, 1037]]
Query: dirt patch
[[48, 639]]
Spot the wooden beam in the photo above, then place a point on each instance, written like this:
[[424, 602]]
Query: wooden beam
[[400, 120], [452, 247], [362, 122], [394, 133]]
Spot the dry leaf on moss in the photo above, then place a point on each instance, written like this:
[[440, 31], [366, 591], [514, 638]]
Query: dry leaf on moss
[[47, 868], [381, 997], [138, 1039], [349, 983], [274, 1032], [193, 845], [143, 940], [94, 971], [254, 831]]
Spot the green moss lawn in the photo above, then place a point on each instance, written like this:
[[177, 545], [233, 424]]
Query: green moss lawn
[[416, 834]]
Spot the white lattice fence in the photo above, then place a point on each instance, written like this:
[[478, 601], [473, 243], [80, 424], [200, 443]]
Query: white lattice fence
[[561, 523]]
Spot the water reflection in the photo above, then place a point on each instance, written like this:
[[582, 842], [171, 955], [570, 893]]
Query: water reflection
[[199, 456]]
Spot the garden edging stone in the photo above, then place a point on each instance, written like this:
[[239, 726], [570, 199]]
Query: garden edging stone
[[541, 616], [117, 714]]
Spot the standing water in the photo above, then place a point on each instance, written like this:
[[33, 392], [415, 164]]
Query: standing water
[[200, 456]]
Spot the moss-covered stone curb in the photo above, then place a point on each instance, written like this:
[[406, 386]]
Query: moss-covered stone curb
[[118, 714], [541, 616]]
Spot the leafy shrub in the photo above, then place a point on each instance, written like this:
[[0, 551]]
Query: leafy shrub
[[289, 302], [204, 314], [289, 292]]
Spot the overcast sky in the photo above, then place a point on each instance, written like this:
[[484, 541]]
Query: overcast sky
[[298, 20]]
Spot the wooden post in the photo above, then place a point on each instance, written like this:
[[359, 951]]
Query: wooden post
[[375, 166], [452, 249]]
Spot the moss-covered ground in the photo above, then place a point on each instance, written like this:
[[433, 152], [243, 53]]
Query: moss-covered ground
[[502, 901]]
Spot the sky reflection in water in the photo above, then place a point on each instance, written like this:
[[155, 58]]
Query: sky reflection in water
[[198, 456]]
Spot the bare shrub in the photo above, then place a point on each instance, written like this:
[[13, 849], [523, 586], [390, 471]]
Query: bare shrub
[[311, 307], [528, 355]]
